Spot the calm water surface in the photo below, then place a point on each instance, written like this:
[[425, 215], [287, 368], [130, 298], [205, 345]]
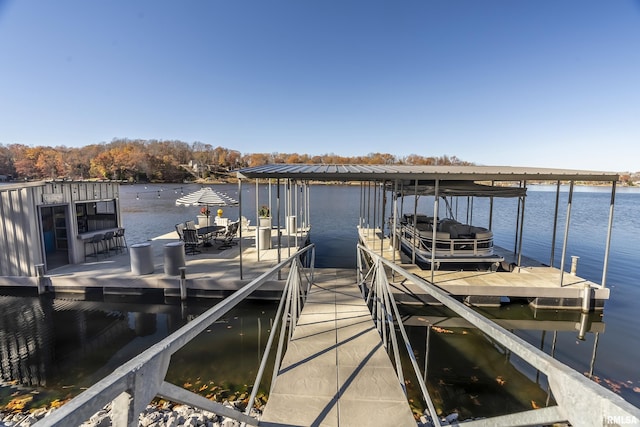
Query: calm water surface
[[67, 345]]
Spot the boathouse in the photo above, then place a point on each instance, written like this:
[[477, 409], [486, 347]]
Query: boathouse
[[384, 187], [49, 223]]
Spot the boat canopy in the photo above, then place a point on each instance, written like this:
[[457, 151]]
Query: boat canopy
[[458, 188]]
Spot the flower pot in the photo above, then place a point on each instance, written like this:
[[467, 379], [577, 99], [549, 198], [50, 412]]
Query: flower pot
[[265, 222], [203, 220]]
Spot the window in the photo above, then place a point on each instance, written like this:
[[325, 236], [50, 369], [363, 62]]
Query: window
[[94, 216]]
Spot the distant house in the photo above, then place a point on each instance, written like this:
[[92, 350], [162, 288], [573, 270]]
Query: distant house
[[195, 166]]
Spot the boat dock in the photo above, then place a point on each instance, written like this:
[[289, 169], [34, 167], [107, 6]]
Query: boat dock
[[532, 280], [213, 272], [335, 370]]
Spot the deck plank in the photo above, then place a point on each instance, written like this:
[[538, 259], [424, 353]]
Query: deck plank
[[335, 371]]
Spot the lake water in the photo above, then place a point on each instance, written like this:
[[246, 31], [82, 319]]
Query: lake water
[[58, 347]]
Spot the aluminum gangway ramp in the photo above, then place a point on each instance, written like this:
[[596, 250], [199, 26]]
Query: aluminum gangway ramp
[[336, 371]]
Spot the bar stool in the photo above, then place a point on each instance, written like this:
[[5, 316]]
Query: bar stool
[[95, 242], [120, 240], [108, 242]]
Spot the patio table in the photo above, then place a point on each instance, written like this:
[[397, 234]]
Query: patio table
[[209, 232]]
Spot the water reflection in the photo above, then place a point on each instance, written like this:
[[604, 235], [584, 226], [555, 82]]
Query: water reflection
[[469, 373], [61, 346]]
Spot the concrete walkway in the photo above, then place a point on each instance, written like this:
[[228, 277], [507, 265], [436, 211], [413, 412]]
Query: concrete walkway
[[336, 371]]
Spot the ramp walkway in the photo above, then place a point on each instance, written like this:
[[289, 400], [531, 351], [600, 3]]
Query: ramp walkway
[[336, 371]]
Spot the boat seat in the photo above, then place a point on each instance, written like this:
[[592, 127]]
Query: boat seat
[[460, 231], [483, 233], [422, 226], [446, 224]]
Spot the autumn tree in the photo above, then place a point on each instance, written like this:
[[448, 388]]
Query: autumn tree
[[48, 162], [6, 161], [25, 160]]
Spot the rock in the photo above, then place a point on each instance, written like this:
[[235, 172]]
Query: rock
[[228, 422], [150, 417], [190, 422]]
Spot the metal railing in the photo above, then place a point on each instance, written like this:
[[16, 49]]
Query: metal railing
[[132, 386], [580, 401], [448, 246]]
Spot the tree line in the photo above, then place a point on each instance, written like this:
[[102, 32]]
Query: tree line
[[165, 161]]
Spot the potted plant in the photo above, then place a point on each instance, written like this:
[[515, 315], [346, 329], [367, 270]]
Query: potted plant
[[265, 216]]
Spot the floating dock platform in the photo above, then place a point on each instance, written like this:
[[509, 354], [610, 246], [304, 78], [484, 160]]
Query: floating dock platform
[[537, 283], [213, 272]]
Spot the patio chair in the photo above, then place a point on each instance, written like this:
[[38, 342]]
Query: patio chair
[[191, 241], [232, 230], [95, 242], [245, 223], [189, 225], [224, 222], [180, 230], [120, 240], [109, 242]]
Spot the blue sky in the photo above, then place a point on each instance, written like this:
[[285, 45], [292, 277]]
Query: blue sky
[[553, 83]]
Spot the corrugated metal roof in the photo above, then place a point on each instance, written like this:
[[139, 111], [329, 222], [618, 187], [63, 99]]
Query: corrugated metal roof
[[356, 172]]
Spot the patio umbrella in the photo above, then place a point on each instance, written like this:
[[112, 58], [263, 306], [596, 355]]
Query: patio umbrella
[[206, 197]]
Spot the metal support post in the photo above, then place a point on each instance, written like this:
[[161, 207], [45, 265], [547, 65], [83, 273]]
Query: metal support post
[[240, 228], [608, 245], [566, 233], [521, 228], [436, 209], [555, 226]]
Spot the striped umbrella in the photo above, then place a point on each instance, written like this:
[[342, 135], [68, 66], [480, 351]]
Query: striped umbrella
[[206, 197]]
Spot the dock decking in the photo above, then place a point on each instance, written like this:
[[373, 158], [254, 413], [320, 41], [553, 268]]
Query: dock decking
[[213, 272], [530, 280], [335, 370]]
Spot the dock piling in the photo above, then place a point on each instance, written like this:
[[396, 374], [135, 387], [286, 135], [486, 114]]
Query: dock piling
[[42, 281], [574, 264], [183, 283], [586, 299]]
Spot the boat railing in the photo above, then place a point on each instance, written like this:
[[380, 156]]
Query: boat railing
[[579, 401], [462, 246], [133, 385]]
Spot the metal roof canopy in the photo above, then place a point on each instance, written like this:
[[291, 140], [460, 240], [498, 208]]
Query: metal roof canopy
[[356, 172], [451, 176], [455, 188]]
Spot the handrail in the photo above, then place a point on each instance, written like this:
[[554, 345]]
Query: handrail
[[580, 401], [386, 316], [134, 384]]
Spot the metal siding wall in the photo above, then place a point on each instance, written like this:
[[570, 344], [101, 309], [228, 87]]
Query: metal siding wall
[[5, 250], [17, 227]]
